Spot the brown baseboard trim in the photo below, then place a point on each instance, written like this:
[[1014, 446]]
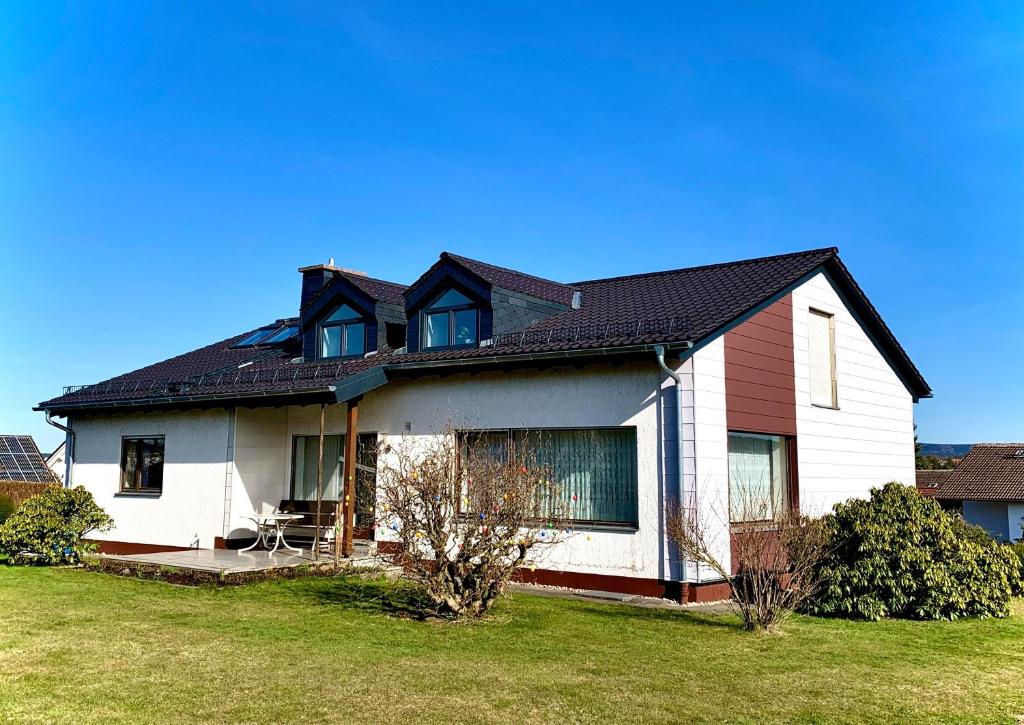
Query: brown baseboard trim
[[638, 586], [707, 592], [389, 547], [659, 588], [131, 547]]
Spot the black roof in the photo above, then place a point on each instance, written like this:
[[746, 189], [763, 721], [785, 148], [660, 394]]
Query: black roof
[[615, 316]]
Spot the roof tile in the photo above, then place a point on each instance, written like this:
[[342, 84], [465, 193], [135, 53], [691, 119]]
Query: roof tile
[[990, 472], [688, 304]]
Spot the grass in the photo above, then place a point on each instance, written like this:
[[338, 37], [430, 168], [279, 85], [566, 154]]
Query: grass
[[87, 647]]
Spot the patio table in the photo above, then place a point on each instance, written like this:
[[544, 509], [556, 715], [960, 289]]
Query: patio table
[[271, 524]]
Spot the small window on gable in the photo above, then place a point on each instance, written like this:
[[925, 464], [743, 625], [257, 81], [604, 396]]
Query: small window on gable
[[451, 320], [342, 334], [822, 358]]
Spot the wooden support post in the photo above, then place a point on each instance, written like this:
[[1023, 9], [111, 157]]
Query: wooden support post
[[349, 499], [319, 487]]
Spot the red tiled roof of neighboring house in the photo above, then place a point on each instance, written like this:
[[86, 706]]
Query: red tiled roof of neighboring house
[[990, 472], [671, 307], [928, 482]]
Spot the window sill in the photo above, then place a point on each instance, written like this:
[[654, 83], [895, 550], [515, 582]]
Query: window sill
[[741, 527], [138, 494], [605, 528], [580, 526], [345, 357], [824, 407]]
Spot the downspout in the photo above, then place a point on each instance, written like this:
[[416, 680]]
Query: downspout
[[659, 352], [69, 446]]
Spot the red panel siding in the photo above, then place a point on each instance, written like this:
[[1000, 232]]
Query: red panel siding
[[759, 392]]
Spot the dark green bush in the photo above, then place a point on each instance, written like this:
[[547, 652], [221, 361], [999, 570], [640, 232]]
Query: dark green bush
[[1018, 584], [49, 528], [900, 555], [7, 507]]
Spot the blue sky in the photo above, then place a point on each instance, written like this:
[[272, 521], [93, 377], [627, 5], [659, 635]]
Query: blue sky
[[166, 168]]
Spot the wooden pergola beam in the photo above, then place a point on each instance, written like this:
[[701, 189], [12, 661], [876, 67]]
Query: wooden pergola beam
[[347, 505]]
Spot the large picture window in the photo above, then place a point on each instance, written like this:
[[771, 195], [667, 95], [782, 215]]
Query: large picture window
[[758, 477], [305, 457], [593, 470], [452, 320], [343, 334], [142, 465]]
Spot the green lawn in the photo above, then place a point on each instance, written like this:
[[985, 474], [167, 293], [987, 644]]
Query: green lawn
[[85, 647]]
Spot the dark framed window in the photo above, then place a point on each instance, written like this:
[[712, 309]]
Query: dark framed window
[[142, 464], [593, 470], [452, 320], [759, 477], [343, 334]]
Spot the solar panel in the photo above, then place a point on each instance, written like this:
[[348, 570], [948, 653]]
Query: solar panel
[[20, 460]]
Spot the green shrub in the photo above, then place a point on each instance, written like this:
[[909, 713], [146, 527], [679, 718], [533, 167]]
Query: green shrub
[[7, 507], [1018, 583], [900, 555], [48, 528]]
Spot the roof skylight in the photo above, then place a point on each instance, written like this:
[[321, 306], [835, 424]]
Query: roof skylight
[[285, 333], [255, 337]]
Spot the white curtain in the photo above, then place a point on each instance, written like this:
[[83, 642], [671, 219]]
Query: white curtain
[[307, 450], [758, 479]]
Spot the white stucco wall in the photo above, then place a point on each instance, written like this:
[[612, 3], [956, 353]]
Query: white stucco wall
[[190, 508], [596, 396], [869, 439], [262, 453]]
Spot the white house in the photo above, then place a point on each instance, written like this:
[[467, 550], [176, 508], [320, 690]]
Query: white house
[[56, 463], [777, 371]]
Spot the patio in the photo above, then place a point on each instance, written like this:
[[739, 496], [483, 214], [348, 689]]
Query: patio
[[227, 561]]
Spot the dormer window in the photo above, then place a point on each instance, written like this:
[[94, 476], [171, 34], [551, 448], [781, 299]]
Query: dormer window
[[342, 334], [452, 320]]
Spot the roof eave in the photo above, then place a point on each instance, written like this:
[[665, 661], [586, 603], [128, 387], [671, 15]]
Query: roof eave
[[265, 398]]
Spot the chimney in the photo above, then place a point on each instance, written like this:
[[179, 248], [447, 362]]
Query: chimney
[[314, 278]]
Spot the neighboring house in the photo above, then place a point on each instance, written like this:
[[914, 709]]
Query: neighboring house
[[55, 461], [988, 485], [788, 380], [20, 460], [928, 481]]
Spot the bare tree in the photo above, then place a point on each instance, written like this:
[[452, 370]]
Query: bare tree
[[467, 514], [769, 559]]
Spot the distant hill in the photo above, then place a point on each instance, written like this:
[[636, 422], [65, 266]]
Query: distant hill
[[946, 450]]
